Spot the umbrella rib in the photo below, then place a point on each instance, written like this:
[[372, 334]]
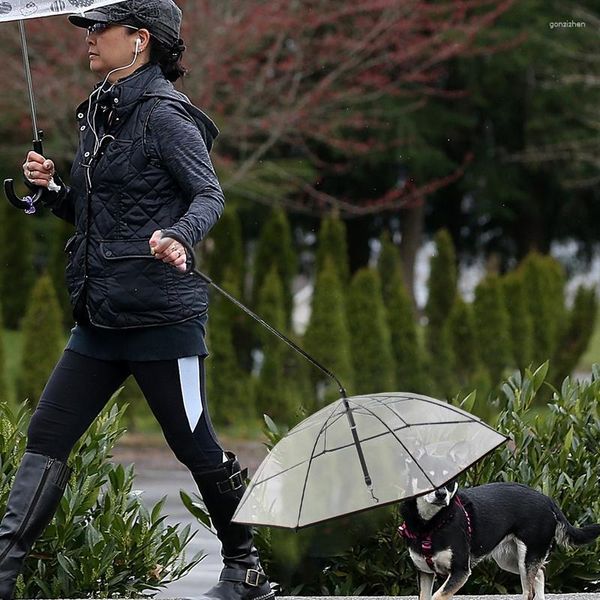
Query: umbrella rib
[[446, 405], [393, 432], [310, 459]]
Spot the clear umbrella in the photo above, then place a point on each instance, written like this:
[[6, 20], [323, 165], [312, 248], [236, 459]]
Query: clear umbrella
[[19, 10], [362, 452]]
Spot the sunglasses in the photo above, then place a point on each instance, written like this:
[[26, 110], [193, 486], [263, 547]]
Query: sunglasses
[[96, 28]]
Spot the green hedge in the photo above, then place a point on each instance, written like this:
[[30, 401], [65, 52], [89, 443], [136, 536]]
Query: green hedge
[[103, 542], [552, 449]]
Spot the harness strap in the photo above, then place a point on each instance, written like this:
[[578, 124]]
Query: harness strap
[[425, 540]]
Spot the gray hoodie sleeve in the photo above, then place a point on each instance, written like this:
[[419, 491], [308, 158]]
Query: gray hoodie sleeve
[[181, 147]]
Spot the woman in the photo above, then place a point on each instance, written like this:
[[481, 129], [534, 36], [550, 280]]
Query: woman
[[142, 193]]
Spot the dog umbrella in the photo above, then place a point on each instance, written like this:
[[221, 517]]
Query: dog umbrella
[[19, 10], [359, 452], [362, 452]]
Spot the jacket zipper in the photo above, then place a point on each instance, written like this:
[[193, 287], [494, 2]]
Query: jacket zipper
[[31, 508]]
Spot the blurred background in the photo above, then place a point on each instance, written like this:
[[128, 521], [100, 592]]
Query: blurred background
[[412, 196]]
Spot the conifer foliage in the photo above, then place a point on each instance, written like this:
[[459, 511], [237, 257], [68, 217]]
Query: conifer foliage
[[493, 323], [400, 319], [3, 385], [275, 249], [371, 346], [230, 400], [327, 337], [274, 395], [442, 293], [42, 340], [17, 275]]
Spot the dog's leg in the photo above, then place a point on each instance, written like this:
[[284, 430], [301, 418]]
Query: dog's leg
[[539, 584], [425, 585], [455, 581], [526, 583]]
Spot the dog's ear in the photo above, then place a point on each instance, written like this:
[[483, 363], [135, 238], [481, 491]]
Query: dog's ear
[[452, 487]]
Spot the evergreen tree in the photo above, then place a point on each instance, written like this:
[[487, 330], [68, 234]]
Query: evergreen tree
[[492, 324], [371, 345], [275, 249], [42, 340], [400, 318], [442, 282], [577, 334], [327, 336], [3, 384], [61, 232], [16, 264], [333, 243], [227, 386], [442, 293], [227, 251], [544, 284], [521, 322], [461, 324], [273, 395]]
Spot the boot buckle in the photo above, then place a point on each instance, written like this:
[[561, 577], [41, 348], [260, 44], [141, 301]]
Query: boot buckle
[[253, 577], [233, 483]]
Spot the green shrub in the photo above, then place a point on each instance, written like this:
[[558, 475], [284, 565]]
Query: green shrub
[[327, 336], [442, 293], [102, 542], [275, 249], [576, 335], [274, 391], [492, 324], [3, 370], [333, 243], [553, 450], [42, 340], [544, 281], [520, 318], [17, 274], [227, 384], [371, 346]]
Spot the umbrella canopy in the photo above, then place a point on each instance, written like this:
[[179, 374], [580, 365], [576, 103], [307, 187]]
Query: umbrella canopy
[[15, 10], [362, 452]]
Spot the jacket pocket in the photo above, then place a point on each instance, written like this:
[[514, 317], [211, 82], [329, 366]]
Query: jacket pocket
[[126, 249]]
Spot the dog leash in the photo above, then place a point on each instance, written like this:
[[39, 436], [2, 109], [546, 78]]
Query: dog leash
[[425, 541]]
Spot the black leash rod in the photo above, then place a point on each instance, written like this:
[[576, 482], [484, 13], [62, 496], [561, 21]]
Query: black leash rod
[[272, 329]]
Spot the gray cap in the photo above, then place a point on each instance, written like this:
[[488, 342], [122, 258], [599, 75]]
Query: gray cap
[[162, 18]]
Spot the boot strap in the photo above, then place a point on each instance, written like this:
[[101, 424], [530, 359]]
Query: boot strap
[[233, 483], [252, 577]]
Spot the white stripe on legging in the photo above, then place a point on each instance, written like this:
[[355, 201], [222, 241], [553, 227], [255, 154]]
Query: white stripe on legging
[[189, 378]]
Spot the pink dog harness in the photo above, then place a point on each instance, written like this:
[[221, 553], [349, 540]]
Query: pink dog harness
[[425, 540]]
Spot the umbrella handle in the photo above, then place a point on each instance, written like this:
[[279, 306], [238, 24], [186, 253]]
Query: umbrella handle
[[27, 203]]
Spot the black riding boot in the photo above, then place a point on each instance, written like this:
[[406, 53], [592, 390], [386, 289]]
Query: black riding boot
[[242, 577], [34, 497]]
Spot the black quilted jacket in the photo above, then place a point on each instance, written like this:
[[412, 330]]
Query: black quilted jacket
[[145, 167]]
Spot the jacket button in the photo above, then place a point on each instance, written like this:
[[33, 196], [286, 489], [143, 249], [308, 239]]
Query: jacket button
[[82, 128], [109, 253], [80, 115]]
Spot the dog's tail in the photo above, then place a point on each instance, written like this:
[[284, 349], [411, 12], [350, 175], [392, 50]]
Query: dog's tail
[[569, 536]]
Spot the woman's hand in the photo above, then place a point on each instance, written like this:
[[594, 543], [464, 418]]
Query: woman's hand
[[38, 169], [168, 250]]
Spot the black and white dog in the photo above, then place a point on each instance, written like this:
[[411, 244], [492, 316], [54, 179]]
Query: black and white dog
[[448, 531]]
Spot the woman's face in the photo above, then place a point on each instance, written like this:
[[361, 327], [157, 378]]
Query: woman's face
[[113, 48]]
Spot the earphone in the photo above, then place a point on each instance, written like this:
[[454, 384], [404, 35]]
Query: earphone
[[138, 43]]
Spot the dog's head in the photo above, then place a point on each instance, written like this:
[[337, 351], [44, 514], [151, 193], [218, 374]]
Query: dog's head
[[431, 504]]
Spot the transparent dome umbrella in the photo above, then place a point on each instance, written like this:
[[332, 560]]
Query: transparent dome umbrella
[[19, 10], [361, 452]]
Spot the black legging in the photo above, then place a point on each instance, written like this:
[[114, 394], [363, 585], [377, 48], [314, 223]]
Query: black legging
[[80, 387]]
